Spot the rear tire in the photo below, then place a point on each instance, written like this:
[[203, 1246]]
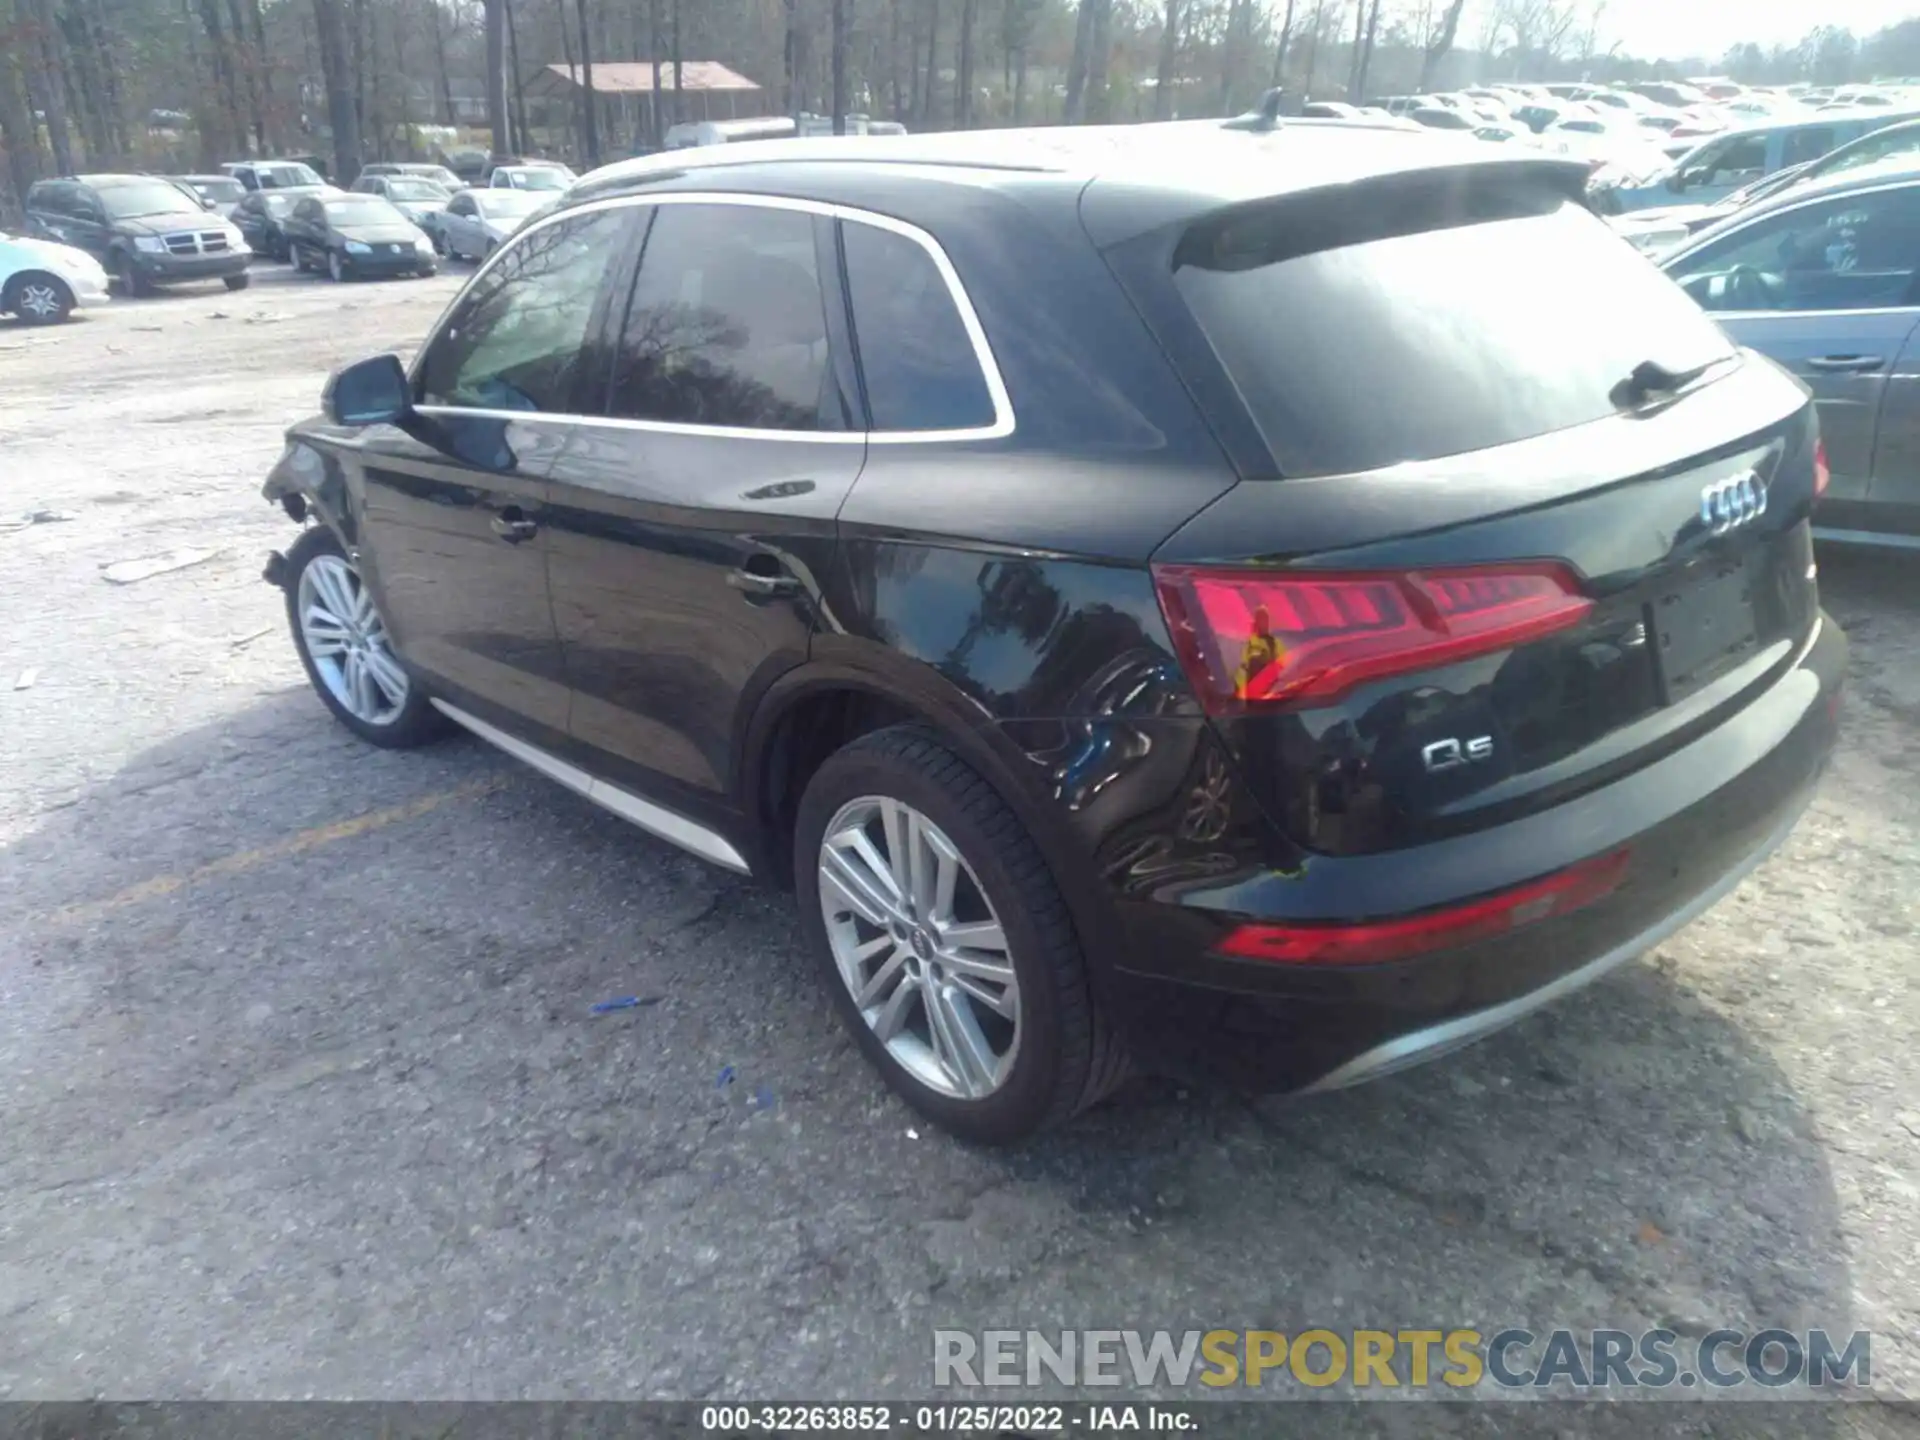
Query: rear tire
[[236, 282], [38, 298], [333, 648], [1055, 1055]]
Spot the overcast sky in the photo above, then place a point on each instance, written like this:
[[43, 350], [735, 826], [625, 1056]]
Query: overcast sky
[[1654, 28]]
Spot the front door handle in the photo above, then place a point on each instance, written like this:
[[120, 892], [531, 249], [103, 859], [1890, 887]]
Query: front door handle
[[761, 583], [513, 526], [1847, 364]]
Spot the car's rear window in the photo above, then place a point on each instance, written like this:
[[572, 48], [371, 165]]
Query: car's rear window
[[1429, 324]]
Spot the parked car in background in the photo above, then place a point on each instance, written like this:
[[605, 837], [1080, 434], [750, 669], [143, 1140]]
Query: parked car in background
[[692, 134], [1113, 742], [1329, 110], [531, 175], [275, 174], [475, 222], [415, 198], [356, 237], [219, 193], [144, 229], [1717, 167], [420, 170], [1442, 117], [42, 282], [260, 216], [1825, 279], [1663, 228]]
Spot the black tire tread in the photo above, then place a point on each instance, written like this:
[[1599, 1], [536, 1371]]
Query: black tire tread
[[1092, 1062]]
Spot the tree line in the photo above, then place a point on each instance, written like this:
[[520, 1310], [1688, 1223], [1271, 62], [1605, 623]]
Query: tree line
[[93, 84]]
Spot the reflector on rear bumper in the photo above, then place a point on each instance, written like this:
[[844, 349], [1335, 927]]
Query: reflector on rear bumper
[[1376, 942]]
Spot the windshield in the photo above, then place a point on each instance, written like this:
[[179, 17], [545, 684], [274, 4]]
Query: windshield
[[1900, 141], [508, 204], [363, 210], [412, 189], [283, 177], [219, 190], [1466, 324], [437, 174], [541, 179], [146, 197]]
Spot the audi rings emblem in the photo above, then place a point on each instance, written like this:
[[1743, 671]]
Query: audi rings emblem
[[1728, 504]]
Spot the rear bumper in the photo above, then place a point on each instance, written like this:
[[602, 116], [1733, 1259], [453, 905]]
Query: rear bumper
[[1696, 822]]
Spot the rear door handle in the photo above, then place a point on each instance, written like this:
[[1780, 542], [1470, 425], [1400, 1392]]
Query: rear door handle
[[513, 526], [1847, 364]]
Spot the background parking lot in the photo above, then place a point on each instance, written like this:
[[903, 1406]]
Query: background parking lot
[[303, 1092]]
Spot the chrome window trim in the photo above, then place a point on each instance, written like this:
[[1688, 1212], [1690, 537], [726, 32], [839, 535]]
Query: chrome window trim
[[1003, 418]]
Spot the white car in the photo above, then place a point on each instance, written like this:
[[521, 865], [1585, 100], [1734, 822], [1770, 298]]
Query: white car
[[42, 281], [475, 221]]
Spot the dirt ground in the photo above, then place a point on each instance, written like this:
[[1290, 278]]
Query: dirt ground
[[300, 1093]]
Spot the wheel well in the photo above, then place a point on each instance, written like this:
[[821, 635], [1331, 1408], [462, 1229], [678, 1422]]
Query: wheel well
[[21, 277], [812, 729]]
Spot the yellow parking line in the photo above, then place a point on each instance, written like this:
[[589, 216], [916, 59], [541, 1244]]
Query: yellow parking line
[[297, 844]]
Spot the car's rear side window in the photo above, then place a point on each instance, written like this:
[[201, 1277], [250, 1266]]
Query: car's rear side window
[[1432, 337], [918, 362]]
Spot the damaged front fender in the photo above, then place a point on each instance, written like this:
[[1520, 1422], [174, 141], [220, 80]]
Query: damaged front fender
[[307, 482]]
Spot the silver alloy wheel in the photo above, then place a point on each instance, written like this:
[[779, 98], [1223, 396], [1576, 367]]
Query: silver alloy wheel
[[40, 300], [347, 641], [919, 947]]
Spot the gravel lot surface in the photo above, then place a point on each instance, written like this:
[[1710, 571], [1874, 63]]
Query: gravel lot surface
[[301, 1095]]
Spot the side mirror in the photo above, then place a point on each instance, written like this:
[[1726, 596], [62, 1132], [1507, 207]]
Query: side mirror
[[373, 392]]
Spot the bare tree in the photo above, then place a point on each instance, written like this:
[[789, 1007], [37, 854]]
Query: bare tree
[[590, 134], [963, 65], [653, 54], [1363, 44], [17, 129], [1315, 29], [1438, 40], [331, 31], [930, 86], [496, 31], [1163, 82], [1280, 46], [1081, 60], [837, 65]]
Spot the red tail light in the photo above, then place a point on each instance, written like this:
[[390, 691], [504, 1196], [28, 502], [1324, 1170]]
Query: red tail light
[[1374, 943], [1257, 638], [1822, 476]]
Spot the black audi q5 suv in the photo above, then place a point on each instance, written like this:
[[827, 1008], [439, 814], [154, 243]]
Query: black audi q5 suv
[[1264, 606]]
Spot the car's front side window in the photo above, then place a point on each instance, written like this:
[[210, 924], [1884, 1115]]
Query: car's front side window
[[1852, 252], [517, 340], [726, 325]]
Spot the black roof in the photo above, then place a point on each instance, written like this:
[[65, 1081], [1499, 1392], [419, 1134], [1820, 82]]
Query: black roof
[[1127, 178]]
